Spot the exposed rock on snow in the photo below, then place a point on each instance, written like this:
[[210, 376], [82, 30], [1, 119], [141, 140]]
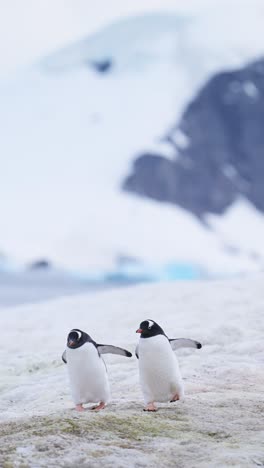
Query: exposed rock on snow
[[221, 155], [221, 422], [41, 264], [102, 66]]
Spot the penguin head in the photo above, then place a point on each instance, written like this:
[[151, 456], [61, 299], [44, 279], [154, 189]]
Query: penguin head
[[76, 338], [149, 328]]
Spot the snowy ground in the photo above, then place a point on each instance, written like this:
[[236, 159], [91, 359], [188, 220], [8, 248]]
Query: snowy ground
[[221, 422]]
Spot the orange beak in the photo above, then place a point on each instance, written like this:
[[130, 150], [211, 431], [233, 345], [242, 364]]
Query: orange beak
[[139, 330]]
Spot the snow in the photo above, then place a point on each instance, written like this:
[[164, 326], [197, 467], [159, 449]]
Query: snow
[[170, 235], [65, 22], [181, 139], [162, 148], [69, 137], [250, 89], [221, 421], [241, 224], [229, 171]]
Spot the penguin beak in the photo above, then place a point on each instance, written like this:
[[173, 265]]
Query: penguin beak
[[71, 343], [139, 330]]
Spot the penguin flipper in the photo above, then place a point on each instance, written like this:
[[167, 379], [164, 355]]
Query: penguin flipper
[[110, 349], [63, 357], [136, 352], [177, 343]]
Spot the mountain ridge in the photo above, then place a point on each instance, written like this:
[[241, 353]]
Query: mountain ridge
[[222, 156]]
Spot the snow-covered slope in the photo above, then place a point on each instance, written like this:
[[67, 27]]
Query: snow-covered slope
[[250, 238], [219, 424], [69, 134]]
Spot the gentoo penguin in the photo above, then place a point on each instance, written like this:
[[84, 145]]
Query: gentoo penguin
[[159, 372], [87, 369]]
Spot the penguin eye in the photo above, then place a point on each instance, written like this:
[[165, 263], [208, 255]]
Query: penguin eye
[[78, 333]]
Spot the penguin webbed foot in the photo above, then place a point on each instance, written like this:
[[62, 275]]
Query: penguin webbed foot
[[79, 408], [150, 408], [175, 398], [99, 407]]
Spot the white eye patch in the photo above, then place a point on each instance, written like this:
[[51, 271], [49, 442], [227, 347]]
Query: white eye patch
[[151, 323], [78, 334]]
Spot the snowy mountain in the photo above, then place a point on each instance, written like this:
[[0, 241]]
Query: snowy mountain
[[219, 157], [73, 124]]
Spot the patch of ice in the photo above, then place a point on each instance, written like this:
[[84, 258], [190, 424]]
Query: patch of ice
[[163, 148], [250, 89], [229, 171], [181, 140]]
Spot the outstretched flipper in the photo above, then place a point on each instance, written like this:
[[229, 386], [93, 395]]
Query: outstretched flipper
[[177, 343], [63, 357], [104, 349], [110, 349]]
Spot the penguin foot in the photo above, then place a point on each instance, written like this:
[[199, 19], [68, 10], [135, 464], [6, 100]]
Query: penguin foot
[[79, 408], [99, 407], [175, 398], [150, 407]]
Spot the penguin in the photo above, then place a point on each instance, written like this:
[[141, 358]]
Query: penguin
[[159, 372], [87, 370]]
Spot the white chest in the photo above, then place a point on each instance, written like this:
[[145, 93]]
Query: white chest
[[87, 374], [158, 369]]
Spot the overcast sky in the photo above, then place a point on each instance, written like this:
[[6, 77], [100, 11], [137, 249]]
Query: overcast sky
[[31, 28]]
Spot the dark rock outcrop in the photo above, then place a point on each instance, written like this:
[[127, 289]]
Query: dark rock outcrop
[[102, 66], [40, 264], [220, 154]]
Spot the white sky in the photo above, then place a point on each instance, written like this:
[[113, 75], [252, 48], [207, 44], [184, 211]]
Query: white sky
[[31, 28]]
